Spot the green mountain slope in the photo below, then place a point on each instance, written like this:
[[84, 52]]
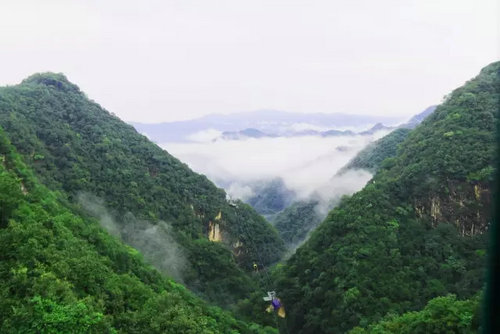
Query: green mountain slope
[[60, 272], [372, 156], [295, 222], [271, 197], [416, 231], [76, 147]]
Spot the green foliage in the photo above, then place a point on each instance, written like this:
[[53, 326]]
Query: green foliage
[[75, 146], [483, 175], [271, 197], [371, 157], [440, 315], [51, 317], [62, 273], [204, 254], [10, 193], [295, 222], [415, 232]]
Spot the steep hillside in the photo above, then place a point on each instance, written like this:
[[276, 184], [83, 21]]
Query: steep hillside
[[372, 156], [78, 148], [60, 272], [299, 218], [271, 197], [296, 221], [416, 231], [419, 118]]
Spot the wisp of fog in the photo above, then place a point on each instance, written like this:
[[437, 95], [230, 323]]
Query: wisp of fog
[[154, 241]]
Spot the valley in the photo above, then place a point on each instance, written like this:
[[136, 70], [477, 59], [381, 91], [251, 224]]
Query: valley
[[108, 232]]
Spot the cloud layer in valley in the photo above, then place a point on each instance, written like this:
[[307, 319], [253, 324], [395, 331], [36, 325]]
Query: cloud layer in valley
[[305, 164]]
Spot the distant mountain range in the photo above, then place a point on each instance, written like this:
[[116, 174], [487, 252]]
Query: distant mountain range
[[418, 118], [263, 123], [256, 133]]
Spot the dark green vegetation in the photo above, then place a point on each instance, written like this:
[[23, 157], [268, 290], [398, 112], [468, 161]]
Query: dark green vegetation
[[415, 232], [75, 147], [295, 222], [271, 197], [298, 219], [60, 272], [440, 315], [372, 156]]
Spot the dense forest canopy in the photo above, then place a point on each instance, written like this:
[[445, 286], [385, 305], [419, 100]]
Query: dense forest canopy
[[60, 272], [77, 148], [415, 232], [372, 156]]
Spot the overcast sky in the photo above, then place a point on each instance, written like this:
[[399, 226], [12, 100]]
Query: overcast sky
[[169, 60]]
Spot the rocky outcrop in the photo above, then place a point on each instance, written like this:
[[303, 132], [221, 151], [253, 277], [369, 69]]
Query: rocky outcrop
[[463, 204], [214, 233]]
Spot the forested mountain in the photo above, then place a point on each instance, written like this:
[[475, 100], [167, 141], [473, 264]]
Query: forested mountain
[[296, 221], [271, 197], [372, 156], [77, 148], [419, 118], [299, 218], [60, 272], [415, 232]]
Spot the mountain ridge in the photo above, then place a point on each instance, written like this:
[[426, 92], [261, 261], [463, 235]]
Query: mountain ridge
[[419, 226], [61, 272], [272, 122], [75, 146]]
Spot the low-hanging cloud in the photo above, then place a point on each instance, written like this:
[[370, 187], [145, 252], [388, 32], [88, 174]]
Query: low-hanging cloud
[[306, 164], [154, 241], [339, 185], [205, 135]]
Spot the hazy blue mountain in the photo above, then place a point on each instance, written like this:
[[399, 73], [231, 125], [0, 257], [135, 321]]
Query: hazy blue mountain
[[417, 119], [254, 133], [331, 133], [271, 197], [268, 121], [247, 133], [375, 128]]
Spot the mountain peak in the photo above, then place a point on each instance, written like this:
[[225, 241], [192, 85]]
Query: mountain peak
[[50, 79]]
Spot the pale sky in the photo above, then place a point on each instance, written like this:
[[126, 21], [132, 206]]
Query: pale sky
[[167, 60]]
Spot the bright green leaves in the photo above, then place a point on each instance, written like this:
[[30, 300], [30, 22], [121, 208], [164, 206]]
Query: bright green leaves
[[441, 315], [51, 317]]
